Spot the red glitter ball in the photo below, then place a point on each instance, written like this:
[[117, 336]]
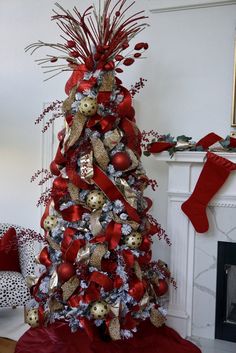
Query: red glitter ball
[[161, 288], [65, 271], [121, 161]]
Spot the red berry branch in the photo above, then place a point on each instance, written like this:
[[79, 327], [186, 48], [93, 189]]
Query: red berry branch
[[45, 197], [161, 232], [48, 175], [137, 87], [53, 107]]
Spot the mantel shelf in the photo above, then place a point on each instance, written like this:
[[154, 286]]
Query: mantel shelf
[[191, 156]]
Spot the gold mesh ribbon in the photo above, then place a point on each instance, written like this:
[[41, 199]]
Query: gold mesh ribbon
[[54, 305], [156, 318], [53, 281], [31, 280], [128, 193], [69, 287], [75, 130], [112, 138], [115, 309], [53, 244], [100, 153], [66, 106], [133, 158], [96, 258], [73, 191], [114, 329], [95, 224], [83, 254], [137, 270], [133, 224], [108, 82], [155, 280], [144, 301], [86, 166]]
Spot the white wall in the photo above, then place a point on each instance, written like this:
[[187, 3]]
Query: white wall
[[189, 70]]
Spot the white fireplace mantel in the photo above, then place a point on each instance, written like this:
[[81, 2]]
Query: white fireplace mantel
[[184, 170]]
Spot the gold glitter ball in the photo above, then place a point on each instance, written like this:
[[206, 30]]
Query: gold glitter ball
[[134, 240], [95, 199], [99, 310], [88, 106], [32, 318], [50, 222]]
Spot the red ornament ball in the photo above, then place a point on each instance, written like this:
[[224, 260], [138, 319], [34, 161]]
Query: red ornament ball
[[161, 288], [121, 161], [65, 271]]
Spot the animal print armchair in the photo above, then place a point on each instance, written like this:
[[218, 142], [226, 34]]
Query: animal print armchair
[[17, 257]]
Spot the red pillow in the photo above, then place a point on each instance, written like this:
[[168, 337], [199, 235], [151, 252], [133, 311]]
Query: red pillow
[[9, 257]]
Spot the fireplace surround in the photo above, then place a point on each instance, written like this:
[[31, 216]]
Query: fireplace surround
[[225, 323], [193, 258]]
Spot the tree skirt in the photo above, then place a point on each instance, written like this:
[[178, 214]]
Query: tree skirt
[[58, 338]]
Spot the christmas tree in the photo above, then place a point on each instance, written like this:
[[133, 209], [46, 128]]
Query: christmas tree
[[99, 275]]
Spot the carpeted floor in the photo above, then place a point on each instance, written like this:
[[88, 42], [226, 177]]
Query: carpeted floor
[[7, 345]]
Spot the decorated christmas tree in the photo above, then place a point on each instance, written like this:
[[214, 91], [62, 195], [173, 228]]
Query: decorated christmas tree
[[99, 275]]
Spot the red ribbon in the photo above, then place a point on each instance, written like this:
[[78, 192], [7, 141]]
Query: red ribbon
[[103, 280], [128, 257], [69, 246], [109, 265], [59, 160], [104, 98], [77, 75], [92, 293], [59, 190], [118, 282], [205, 142], [208, 140], [67, 238], [54, 168], [72, 251], [44, 257], [74, 301], [85, 85], [157, 147], [104, 123], [145, 259], [41, 314], [88, 327], [73, 213], [113, 234], [72, 173], [149, 205], [137, 289], [129, 322], [35, 288], [125, 109], [146, 243], [112, 192], [45, 214], [132, 135]]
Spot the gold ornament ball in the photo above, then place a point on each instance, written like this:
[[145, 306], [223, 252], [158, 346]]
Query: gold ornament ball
[[50, 222], [99, 310], [88, 106], [134, 240], [95, 199], [32, 318]]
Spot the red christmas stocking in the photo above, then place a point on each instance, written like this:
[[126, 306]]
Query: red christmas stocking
[[214, 173]]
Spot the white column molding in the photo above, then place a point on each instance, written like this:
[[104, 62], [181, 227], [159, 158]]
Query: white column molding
[[159, 6], [184, 170]]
